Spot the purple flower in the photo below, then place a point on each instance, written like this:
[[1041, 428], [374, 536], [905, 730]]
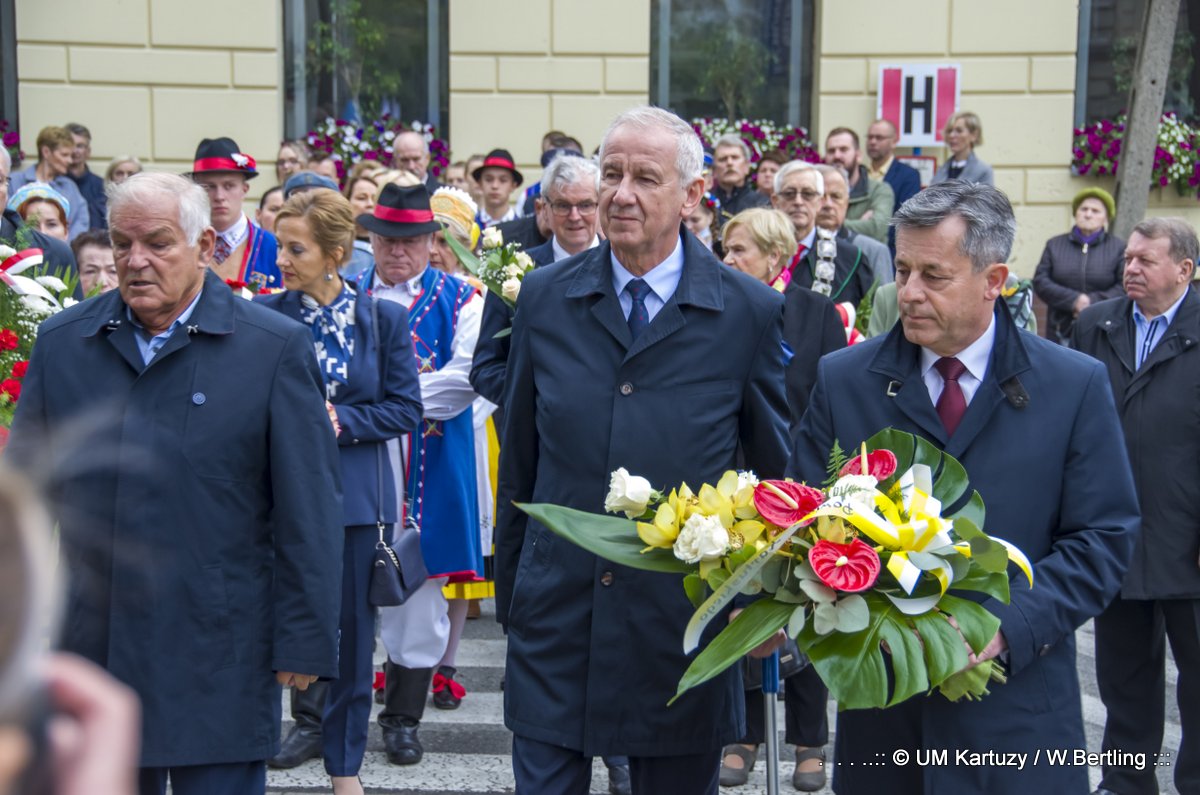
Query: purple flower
[[1084, 168], [1163, 180], [11, 138], [1101, 170]]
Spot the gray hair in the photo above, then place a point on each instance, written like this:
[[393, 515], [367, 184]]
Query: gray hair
[[567, 170], [730, 139], [829, 169], [149, 188], [5, 159], [791, 167], [1182, 235], [986, 211], [689, 154]]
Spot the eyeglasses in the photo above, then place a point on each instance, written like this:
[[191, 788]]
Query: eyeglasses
[[791, 194], [563, 209]]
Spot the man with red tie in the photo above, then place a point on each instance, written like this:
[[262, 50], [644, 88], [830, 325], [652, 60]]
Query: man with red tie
[[1035, 426], [245, 252]]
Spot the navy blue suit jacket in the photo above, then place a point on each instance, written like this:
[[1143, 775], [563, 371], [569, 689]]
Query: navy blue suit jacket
[[381, 400], [594, 649], [905, 181], [1042, 444]]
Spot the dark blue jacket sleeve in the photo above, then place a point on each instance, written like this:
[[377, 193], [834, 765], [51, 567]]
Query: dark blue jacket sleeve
[[400, 409], [491, 352]]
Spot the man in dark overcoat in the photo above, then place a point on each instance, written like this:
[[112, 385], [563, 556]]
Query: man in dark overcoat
[[194, 470], [645, 353], [1148, 339], [1035, 427]]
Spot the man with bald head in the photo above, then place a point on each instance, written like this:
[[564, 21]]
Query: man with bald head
[[410, 152]]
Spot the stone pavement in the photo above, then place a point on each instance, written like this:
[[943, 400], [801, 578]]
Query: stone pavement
[[467, 750]]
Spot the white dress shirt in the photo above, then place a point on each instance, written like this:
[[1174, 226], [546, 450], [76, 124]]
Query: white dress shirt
[[663, 279], [236, 234], [974, 357], [561, 253]]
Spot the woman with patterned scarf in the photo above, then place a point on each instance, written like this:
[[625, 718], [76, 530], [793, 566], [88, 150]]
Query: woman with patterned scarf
[[364, 350]]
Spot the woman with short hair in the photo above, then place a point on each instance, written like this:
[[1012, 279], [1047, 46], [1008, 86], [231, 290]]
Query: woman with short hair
[[964, 132]]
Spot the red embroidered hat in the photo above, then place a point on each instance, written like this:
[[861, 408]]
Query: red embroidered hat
[[222, 154], [499, 158], [401, 212]]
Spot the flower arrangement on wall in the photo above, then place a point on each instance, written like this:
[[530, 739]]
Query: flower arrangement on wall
[[761, 135], [347, 143], [10, 139], [1096, 151]]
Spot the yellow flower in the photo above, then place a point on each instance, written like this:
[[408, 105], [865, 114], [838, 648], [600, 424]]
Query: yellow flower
[[663, 532], [714, 503]]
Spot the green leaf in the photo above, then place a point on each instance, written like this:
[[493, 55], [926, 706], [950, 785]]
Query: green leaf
[[824, 618], [992, 583], [908, 660], [610, 537], [717, 578], [796, 622], [772, 574], [951, 484], [926, 561], [818, 591], [755, 624], [973, 510], [970, 683], [693, 586], [853, 615], [902, 446], [465, 257], [990, 555], [975, 623], [945, 653]]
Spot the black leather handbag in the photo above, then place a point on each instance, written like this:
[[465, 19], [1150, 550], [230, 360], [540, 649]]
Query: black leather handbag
[[399, 569]]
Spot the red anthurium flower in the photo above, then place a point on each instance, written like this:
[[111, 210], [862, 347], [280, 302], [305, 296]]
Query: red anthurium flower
[[845, 567], [783, 503], [8, 340], [236, 284], [19, 369], [11, 388], [881, 464]]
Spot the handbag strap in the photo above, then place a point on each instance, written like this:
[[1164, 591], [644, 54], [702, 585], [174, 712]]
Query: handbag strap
[[379, 447]]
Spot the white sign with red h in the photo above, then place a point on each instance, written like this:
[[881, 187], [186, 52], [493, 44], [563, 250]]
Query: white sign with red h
[[918, 99]]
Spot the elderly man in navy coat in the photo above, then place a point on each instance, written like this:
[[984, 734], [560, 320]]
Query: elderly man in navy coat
[[645, 353], [196, 480], [1035, 426]]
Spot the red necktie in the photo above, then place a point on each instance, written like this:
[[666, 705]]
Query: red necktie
[[952, 404], [801, 250]]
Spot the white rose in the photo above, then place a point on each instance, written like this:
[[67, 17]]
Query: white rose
[[524, 260], [38, 305], [510, 289], [6, 252], [701, 538], [746, 480], [68, 301], [492, 238], [628, 493]]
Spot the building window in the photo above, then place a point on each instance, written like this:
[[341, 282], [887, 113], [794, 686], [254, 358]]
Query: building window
[[361, 59], [1109, 31], [733, 58], [8, 64]]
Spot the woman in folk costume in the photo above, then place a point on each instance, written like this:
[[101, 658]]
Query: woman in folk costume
[[439, 459], [364, 350], [245, 251], [455, 210]]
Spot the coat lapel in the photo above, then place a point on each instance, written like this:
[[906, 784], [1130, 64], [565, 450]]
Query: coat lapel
[[900, 361], [594, 278], [699, 286]]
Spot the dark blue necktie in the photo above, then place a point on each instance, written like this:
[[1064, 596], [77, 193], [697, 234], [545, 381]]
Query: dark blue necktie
[[639, 316]]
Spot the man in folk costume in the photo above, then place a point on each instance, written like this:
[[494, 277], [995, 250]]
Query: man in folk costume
[[439, 461], [245, 251]]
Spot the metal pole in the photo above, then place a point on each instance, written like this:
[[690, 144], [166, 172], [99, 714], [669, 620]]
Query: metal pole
[[433, 63], [795, 65], [663, 76], [770, 689], [1082, 56]]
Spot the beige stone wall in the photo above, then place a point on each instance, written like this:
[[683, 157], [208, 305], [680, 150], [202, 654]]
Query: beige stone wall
[[1018, 74], [519, 68], [152, 77]]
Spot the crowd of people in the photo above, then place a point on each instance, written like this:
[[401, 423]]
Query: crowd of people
[[222, 470]]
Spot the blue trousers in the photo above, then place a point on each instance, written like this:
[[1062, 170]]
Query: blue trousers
[[544, 769], [244, 778], [348, 710]]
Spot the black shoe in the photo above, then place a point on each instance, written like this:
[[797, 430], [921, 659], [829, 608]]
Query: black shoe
[[402, 745], [447, 694], [301, 744], [618, 780]]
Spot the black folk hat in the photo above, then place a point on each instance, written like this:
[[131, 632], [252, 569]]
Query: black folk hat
[[499, 158], [223, 155], [401, 212]]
